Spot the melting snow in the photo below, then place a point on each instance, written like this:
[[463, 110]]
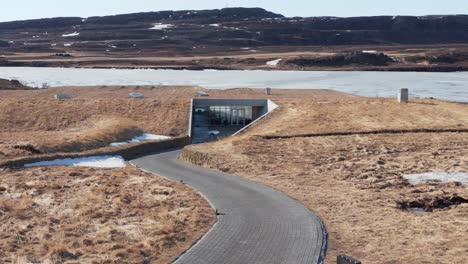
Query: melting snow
[[214, 25], [439, 176], [370, 51], [96, 161], [143, 137], [68, 44], [74, 34], [161, 26], [274, 62]]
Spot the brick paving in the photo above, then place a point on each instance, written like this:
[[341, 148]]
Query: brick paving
[[256, 224]]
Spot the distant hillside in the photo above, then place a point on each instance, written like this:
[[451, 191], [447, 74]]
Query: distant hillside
[[230, 27]]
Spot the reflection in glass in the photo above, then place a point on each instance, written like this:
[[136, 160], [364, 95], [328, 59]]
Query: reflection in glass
[[230, 115]]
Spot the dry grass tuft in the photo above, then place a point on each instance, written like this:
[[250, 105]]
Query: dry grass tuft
[[59, 253], [18, 208]]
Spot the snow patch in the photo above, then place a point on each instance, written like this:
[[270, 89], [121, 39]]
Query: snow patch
[[273, 62], [96, 161], [214, 25], [67, 44], [143, 137], [370, 51], [74, 34], [438, 176], [161, 26]]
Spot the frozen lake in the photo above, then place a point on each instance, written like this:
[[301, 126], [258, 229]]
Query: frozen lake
[[449, 86]]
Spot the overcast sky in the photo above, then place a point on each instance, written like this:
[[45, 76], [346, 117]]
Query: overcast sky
[[27, 9]]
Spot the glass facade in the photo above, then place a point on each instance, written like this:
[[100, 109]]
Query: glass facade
[[230, 115]]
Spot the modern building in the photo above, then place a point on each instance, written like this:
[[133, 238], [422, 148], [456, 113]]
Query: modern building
[[212, 119]]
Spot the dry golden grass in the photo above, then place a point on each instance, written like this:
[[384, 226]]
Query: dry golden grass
[[354, 182], [164, 110], [91, 135], [94, 117], [364, 114], [16, 207], [86, 215]]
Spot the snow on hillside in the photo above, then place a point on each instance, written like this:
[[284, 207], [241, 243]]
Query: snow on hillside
[[274, 62], [74, 34], [97, 162], [161, 26]]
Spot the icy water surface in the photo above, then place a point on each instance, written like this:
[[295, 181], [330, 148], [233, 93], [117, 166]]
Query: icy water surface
[[449, 86]]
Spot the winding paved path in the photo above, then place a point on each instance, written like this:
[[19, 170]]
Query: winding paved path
[[257, 225]]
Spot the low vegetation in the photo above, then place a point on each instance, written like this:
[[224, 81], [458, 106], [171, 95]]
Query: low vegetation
[[92, 134], [339, 60], [86, 215]]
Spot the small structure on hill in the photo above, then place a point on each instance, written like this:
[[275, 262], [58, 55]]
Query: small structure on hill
[[268, 91], [136, 96], [202, 94], [62, 96], [403, 95]]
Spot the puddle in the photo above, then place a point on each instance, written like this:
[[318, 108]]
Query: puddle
[[443, 177], [428, 204], [96, 162], [416, 211]]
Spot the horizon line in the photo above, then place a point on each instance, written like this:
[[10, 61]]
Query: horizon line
[[181, 10]]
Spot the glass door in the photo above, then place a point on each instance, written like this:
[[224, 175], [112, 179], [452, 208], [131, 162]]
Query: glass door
[[241, 120], [238, 117], [234, 116]]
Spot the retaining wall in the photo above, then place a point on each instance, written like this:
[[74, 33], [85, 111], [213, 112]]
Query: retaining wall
[[128, 152]]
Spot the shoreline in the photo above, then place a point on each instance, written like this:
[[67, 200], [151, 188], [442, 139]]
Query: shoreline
[[435, 69]]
